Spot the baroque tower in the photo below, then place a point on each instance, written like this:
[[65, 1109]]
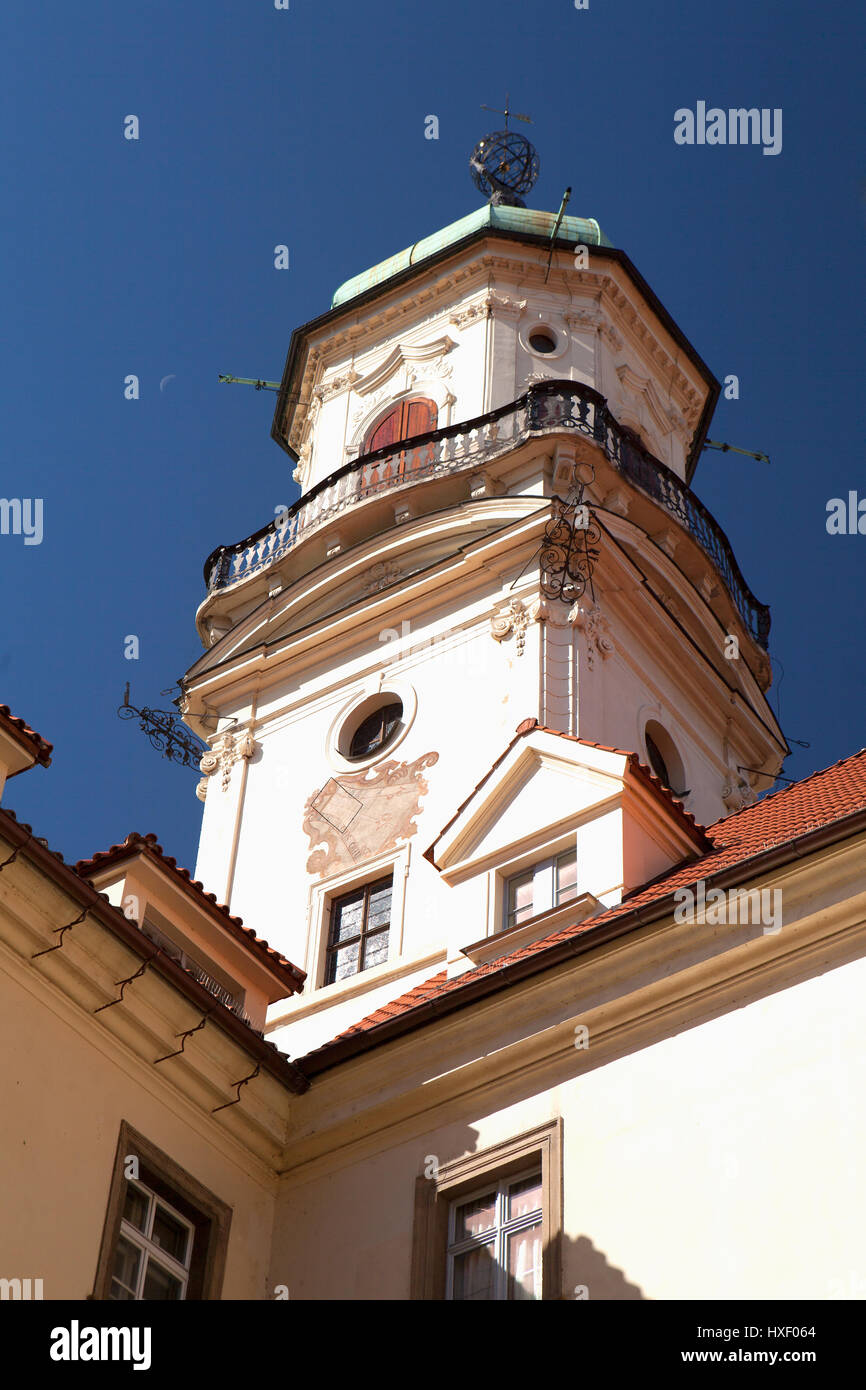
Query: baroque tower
[[498, 665]]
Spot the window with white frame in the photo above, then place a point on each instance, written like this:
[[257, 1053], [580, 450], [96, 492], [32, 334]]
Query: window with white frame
[[360, 930], [153, 1251], [495, 1241], [542, 886]]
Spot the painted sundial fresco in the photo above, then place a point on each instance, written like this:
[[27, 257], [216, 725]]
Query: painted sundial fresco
[[358, 815]]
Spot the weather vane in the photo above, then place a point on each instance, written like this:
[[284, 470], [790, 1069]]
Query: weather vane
[[504, 164]]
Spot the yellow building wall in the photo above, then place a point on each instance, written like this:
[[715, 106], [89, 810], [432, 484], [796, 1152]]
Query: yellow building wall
[[62, 1099]]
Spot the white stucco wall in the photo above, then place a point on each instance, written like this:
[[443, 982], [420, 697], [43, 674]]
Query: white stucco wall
[[723, 1162]]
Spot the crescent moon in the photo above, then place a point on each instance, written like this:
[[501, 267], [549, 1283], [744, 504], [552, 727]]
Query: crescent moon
[[170, 377]]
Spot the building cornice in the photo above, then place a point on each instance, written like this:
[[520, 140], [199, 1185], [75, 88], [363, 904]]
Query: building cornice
[[391, 314]]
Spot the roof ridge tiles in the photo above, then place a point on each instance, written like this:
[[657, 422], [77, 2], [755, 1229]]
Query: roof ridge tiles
[[39, 747]]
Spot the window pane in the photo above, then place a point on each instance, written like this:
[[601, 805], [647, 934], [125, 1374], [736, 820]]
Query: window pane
[[160, 1286], [566, 876], [344, 962], [135, 1206], [127, 1258], [473, 1218], [348, 914], [474, 1274], [520, 898], [524, 1196], [379, 914], [375, 730], [170, 1234], [375, 949], [524, 1263]]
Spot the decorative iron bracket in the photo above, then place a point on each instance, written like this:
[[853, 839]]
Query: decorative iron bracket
[[166, 733], [570, 548]]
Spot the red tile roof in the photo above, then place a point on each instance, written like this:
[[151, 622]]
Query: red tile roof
[[818, 803], [38, 747], [148, 845]]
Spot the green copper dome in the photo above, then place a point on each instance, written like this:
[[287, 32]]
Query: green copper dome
[[506, 219]]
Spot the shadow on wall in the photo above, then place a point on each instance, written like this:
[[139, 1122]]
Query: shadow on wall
[[587, 1275]]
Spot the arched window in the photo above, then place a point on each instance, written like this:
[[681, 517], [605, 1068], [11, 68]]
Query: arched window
[[404, 420], [664, 759]]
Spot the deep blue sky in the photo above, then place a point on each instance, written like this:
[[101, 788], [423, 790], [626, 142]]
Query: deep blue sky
[[306, 127]]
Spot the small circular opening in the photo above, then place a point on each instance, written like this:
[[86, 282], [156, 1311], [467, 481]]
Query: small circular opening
[[542, 341], [376, 730]]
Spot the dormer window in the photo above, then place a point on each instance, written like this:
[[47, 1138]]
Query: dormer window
[[540, 888], [232, 999]]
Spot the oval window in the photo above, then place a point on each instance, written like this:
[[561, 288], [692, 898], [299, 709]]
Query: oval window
[[540, 340], [376, 730]]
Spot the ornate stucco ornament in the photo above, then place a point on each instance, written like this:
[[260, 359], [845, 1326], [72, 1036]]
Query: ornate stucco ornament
[[327, 389], [737, 792], [379, 576], [227, 749], [589, 618], [514, 619]]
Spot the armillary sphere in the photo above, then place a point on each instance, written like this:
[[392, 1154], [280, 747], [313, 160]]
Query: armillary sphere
[[503, 166]]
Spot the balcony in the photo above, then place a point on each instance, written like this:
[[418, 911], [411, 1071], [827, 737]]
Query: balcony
[[547, 408]]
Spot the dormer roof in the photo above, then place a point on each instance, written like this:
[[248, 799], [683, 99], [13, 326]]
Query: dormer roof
[[578, 777], [142, 854], [20, 746]]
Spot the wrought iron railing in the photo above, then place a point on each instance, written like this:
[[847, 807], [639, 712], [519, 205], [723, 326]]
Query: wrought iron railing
[[545, 408]]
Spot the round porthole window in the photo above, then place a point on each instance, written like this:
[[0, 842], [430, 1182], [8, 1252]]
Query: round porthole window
[[542, 340], [370, 726], [376, 730]]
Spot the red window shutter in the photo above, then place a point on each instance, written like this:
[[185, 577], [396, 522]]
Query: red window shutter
[[403, 421], [420, 417], [386, 432]]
